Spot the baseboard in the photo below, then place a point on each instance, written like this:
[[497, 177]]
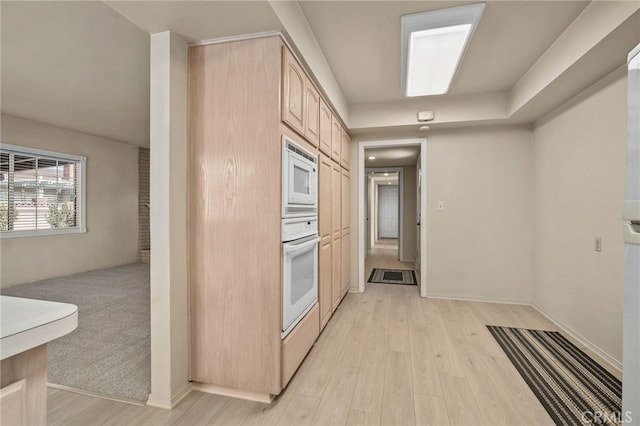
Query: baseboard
[[96, 394], [583, 340], [477, 299], [614, 363], [170, 403], [233, 393]]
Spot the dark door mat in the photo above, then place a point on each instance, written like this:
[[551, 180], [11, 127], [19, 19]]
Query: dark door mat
[[393, 276]]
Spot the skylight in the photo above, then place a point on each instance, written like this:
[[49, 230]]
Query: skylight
[[432, 46]]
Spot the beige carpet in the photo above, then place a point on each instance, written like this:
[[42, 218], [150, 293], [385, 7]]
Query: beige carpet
[[110, 351]]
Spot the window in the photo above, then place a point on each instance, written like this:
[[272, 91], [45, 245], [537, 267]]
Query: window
[[41, 192], [432, 47]]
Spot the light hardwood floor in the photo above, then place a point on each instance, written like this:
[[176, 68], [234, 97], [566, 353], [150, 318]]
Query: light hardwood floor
[[384, 254], [386, 357]]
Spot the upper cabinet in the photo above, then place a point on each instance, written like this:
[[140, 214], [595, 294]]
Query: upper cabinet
[[307, 112], [312, 114], [293, 92], [345, 153], [336, 139], [325, 128]]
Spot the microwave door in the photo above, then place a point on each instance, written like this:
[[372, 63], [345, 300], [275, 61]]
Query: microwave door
[[300, 181]]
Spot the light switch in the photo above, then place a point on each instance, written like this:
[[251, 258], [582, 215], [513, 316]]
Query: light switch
[[440, 206], [598, 244]]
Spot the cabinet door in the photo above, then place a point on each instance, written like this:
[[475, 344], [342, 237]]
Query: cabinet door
[[325, 188], [13, 399], [345, 151], [293, 92], [325, 277], [325, 128], [325, 229], [336, 139], [346, 263], [336, 280], [345, 204], [312, 114], [336, 201]]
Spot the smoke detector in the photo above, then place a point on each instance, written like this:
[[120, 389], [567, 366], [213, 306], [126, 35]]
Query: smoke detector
[[425, 116]]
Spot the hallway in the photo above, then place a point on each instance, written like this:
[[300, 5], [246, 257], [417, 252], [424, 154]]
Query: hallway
[[384, 254]]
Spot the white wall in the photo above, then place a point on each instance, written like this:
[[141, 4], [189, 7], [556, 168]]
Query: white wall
[[112, 208], [168, 191], [481, 245], [579, 157], [409, 214]]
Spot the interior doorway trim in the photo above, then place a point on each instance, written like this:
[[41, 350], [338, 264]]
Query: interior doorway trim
[[362, 185], [400, 172]]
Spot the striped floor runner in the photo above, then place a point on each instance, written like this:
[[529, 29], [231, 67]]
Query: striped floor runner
[[572, 387]]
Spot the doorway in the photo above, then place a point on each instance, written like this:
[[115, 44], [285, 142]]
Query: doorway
[[388, 207], [389, 182], [389, 212]]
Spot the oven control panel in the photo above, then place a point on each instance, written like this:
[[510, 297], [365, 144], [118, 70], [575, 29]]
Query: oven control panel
[[299, 227]]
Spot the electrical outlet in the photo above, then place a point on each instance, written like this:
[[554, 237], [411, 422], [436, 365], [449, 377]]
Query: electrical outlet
[[440, 206], [598, 244]]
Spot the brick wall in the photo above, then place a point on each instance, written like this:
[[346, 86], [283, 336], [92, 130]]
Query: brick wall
[[144, 239]]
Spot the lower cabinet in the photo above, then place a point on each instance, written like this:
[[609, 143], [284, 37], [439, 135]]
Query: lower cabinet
[[13, 399], [325, 274], [346, 262], [23, 388], [297, 344], [336, 280]]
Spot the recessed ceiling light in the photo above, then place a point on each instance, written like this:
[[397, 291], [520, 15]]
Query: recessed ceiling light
[[388, 183], [432, 46], [386, 174], [372, 158], [424, 128]]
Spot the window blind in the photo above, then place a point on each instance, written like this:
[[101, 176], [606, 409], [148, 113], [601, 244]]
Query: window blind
[[37, 191]]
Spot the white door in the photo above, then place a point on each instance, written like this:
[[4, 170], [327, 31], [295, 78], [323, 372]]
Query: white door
[[388, 211], [418, 213]]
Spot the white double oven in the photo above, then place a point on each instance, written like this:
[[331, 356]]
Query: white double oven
[[299, 233]]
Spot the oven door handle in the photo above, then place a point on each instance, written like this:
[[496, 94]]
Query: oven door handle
[[292, 248]]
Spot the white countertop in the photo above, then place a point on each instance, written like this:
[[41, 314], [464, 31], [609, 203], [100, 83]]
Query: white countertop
[[27, 323]]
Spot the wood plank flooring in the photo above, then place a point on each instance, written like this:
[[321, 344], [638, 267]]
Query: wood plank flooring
[[387, 357], [384, 254]]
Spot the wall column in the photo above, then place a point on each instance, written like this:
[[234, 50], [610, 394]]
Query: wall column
[[168, 189]]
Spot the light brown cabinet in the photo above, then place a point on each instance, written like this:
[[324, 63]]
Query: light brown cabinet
[[346, 261], [23, 388], [325, 128], [345, 150], [336, 202], [311, 114], [345, 219], [235, 304], [293, 92], [345, 192], [325, 260], [298, 343], [235, 253], [336, 139]]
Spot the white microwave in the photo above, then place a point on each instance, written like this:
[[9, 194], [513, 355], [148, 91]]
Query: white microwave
[[299, 180]]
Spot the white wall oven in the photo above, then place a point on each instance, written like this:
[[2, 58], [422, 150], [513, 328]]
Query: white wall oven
[[299, 180], [299, 270], [299, 233]]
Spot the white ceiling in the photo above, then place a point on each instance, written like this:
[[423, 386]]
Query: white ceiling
[[85, 65], [199, 20], [392, 157], [361, 41], [76, 65]]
